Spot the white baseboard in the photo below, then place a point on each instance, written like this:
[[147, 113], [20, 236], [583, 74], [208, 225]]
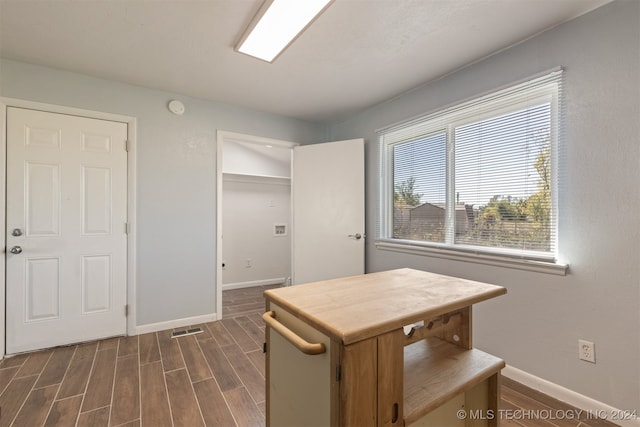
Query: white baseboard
[[177, 323], [265, 282], [570, 397]]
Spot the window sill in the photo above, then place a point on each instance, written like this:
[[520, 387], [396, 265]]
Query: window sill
[[540, 266]]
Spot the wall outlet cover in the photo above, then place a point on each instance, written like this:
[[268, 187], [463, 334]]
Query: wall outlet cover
[[587, 351]]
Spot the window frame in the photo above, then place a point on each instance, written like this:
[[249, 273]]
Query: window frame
[[546, 87]]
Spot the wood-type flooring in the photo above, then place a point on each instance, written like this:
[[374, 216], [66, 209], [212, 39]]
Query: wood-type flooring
[[214, 378]]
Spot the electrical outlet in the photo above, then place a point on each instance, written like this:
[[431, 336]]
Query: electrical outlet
[[587, 351]]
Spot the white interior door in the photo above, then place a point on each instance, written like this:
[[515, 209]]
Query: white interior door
[[66, 229], [328, 210]]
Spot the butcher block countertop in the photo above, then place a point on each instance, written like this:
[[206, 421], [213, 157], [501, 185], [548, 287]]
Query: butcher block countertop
[[356, 308]]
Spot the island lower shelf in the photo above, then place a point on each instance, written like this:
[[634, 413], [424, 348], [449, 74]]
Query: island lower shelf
[[436, 371]]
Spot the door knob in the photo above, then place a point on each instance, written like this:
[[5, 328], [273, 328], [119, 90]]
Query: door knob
[[16, 232], [15, 250], [356, 236]]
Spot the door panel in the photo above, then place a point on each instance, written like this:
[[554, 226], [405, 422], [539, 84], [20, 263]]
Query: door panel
[[42, 289], [328, 210], [42, 198], [96, 283], [67, 202], [96, 201]]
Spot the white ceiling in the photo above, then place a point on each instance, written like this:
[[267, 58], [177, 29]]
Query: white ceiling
[[356, 54]]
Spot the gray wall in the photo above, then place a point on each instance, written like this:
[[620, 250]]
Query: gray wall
[[536, 326], [176, 174]]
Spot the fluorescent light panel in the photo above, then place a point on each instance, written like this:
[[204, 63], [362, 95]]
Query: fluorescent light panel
[[278, 23]]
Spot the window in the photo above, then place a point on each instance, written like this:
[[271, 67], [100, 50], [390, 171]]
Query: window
[[478, 177]]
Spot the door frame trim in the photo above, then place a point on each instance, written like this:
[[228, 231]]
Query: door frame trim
[[221, 135], [131, 123]]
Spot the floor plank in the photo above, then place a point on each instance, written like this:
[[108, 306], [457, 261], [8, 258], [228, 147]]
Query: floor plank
[[107, 344], [251, 329], [100, 385], [12, 399], [185, 410], [244, 408], [222, 370], [36, 408], [169, 351], [56, 367], [205, 334], [215, 410], [194, 359], [240, 336], [220, 333], [258, 359], [64, 412], [75, 382], [149, 351], [128, 346], [18, 360], [154, 398], [6, 375], [125, 406], [251, 378], [96, 418], [34, 364], [134, 423]]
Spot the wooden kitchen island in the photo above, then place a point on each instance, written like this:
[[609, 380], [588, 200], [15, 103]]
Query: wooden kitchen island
[[381, 349]]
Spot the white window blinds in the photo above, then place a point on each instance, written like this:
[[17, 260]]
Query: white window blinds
[[479, 175]]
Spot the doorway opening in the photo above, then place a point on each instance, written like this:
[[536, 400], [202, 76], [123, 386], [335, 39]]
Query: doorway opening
[[253, 212]]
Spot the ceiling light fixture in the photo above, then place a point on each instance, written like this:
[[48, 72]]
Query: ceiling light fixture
[[277, 24]]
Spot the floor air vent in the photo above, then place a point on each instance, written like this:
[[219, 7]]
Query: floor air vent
[[186, 332]]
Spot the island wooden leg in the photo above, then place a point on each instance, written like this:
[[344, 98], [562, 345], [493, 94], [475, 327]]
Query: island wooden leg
[[391, 378], [358, 384]]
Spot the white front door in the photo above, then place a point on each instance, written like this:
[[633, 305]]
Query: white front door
[[66, 242], [328, 210]]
